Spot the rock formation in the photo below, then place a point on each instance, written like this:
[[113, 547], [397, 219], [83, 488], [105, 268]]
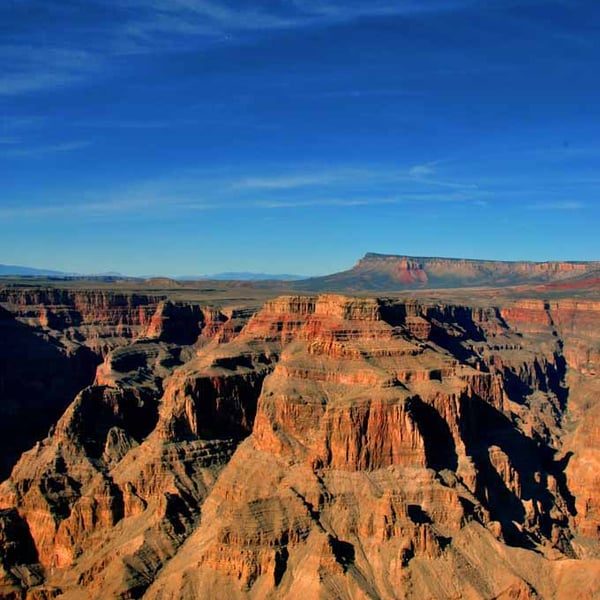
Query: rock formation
[[324, 447], [385, 272]]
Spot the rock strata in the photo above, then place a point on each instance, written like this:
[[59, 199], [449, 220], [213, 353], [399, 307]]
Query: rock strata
[[330, 447]]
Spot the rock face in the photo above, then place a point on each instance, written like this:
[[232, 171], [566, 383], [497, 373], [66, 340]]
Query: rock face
[[389, 272], [329, 447], [50, 344], [52, 340]]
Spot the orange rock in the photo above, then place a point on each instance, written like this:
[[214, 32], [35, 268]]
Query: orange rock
[[331, 447]]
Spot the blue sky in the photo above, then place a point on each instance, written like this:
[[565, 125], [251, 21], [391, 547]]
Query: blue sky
[[190, 136]]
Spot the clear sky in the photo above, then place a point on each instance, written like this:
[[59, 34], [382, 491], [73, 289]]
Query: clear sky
[[196, 136]]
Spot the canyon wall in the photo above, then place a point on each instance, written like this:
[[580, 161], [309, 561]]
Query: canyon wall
[[326, 446], [52, 340]]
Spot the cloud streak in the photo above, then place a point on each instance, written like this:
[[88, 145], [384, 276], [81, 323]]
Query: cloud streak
[[289, 181], [35, 68], [154, 26], [406, 199], [138, 27], [183, 192], [420, 175], [212, 18], [42, 151], [561, 205]]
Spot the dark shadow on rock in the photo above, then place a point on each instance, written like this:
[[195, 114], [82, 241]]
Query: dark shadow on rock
[[556, 375], [343, 551], [15, 539], [181, 323], [392, 312], [178, 513], [38, 380], [440, 450], [417, 515], [457, 338], [481, 427], [281, 559], [60, 491], [559, 470], [516, 389], [224, 406], [97, 409]]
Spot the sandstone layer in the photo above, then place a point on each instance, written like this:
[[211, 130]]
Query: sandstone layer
[[324, 447]]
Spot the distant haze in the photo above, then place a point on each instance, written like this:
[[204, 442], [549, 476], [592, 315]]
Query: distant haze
[[241, 276]]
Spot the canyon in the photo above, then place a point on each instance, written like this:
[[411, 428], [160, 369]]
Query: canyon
[[165, 441]]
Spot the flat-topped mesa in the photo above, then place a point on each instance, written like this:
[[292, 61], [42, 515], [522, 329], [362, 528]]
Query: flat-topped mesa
[[473, 266], [475, 272], [393, 272], [407, 270]]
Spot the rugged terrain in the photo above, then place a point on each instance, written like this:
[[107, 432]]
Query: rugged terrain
[[317, 446]]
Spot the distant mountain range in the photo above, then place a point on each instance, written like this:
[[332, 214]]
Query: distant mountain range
[[20, 271], [30, 271]]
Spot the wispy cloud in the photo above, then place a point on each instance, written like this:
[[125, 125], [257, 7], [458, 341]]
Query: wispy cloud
[[364, 93], [407, 199], [459, 185], [150, 26], [340, 202], [32, 68], [281, 182], [549, 206], [108, 207], [419, 175], [193, 190], [125, 124], [423, 170], [10, 124], [42, 151], [34, 81], [426, 173], [210, 18]]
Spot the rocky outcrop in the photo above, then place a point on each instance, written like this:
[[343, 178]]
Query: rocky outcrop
[[331, 447]]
